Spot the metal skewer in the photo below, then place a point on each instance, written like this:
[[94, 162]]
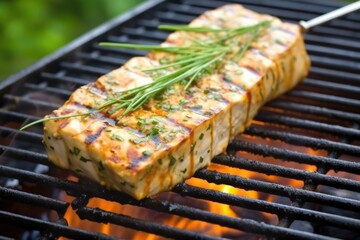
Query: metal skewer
[[306, 25]]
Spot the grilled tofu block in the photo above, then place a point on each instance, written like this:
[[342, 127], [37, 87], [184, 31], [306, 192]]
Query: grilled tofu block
[[152, 149]]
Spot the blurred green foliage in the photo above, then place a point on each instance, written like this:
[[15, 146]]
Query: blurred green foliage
[[31, 29]]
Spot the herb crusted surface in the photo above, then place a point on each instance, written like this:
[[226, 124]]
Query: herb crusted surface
[[148, 148]]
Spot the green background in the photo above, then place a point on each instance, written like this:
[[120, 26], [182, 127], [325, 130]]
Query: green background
[[31, 29]]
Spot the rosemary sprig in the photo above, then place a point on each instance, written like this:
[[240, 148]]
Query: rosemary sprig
[[189, 64]]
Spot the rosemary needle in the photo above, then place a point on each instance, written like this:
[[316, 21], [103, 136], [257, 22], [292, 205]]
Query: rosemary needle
[[53, 119], [189, 63]]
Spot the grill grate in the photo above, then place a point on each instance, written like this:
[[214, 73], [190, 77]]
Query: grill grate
[[297, 166]]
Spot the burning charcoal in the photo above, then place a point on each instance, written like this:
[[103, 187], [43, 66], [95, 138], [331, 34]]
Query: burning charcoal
[[250, 214], [28, 166], [303, 226], [338, 232], [31, 235]]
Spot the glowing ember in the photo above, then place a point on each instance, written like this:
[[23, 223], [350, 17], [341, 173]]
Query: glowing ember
[[175, 221]]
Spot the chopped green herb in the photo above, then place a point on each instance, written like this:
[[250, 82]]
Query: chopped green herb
[[197, 106], [116, 137], [201, 159], [201, 136], [110, 75], [227, 78], [154, 131], [239, 72], [164, 106], [147, 153], [183, 101], [164, 60], [172, 160], [111, 82], [279, 41], [216, 96], [139, 140], [154, 121], [168, 138], [101, 167], [175, 107], [192, 147], [75, 151], [159, 161], [149, 169], [83, 159]]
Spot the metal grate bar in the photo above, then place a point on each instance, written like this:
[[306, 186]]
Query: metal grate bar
[[51, 90], [305, 141], [271, 169], [336, 164], [274, 208], [34, 199], [24, 134], [83, 68], [159, 206], [15, 116], [349, 31], [57, 229], [341, 101], [237, 223], [333, 63], [55, 78], [126, 53], [204, 174], [316, 110], [99, 215], [278, 189], [336, 32], [347, 88], [345, 77], [154, 34], [69, 185], [332, 52], [173, 18], [33, 102], [27, 155], [307, 124], [333, 42], [102, 59]]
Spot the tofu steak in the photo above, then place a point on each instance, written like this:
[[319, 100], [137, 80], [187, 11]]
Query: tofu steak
[[152, 149]]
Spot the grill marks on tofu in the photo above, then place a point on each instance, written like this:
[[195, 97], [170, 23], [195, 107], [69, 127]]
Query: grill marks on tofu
[[153, 148]]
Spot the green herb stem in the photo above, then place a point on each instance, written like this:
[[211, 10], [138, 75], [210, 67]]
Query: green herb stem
[[187, 64], [53, 119]]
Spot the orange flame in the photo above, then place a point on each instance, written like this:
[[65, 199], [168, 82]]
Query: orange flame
[[188, 224]]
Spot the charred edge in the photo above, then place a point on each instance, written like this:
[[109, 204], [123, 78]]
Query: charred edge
[[136, 159], [233, 86], [253, 71], [97, 88], [178, 123], [92, 137]]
